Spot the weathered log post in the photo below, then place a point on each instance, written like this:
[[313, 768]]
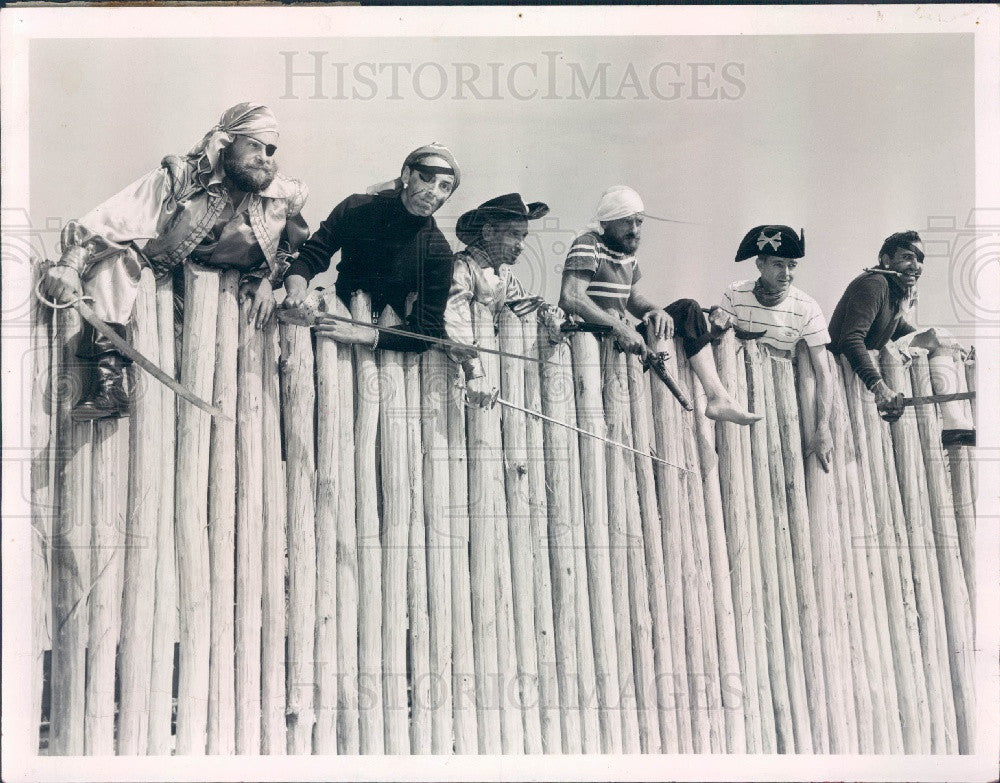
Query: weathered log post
[[232, 545], [165, 611], [515, 466], [593, 479], [842, 658], [705, 673], [71, 546], [791, 724], [328, 456], [463, 638], [910, 472], [666, 605], [958, 624], [740, 546], [140, 533], [636, 730], [274, 739], [556, 385], [348, 727], [495, 503], [298, 393], [201, 305], [873, 511], [395, 541], [970, 381], [432, 408], [548, 685], [416, 571], [732, 681], [108, 500], [826, 734], [372, 721]]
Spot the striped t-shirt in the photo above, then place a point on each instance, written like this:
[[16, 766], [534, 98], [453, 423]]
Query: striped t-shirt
[[798, 317], [614, 273]]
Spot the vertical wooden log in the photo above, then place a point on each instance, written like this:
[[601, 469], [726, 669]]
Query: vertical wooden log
[[587, 682], [871, 510], [328, 455], [106, 570], [955, 597], [421, 699], [511, 719], [593, 478], [140, 535], [825, 737], [244, 646], [646, 536], [894, 544], [348, 736], [636, 730], [548, 685], [515, 467], [790, 728], [970, 380], [739, 546], [165, 612], [298, 393], [463, 639], [842, 657], [705, 674], [71, 550], [432, 408], [395, 542], [556, 385], [201, 304], [372, 725], [910, 471], [272, 660], [224, 464], [732, 682]]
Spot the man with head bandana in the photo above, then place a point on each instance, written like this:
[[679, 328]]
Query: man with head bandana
[[873, 311], [391, 249], [600, 285], [224, 205]]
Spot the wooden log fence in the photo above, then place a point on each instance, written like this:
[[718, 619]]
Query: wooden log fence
[[356, 562]]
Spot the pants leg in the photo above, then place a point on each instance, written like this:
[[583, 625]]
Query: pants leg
[[113, 282], [690, 324]]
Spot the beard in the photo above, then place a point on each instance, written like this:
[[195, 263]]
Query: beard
[[247, 177]]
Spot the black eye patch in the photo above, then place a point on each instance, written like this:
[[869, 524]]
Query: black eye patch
[[270, 149]]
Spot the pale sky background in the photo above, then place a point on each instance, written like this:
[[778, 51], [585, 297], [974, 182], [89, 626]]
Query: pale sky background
[[852, 137]]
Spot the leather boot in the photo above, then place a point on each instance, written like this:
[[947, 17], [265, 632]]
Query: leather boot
[[108, 397]]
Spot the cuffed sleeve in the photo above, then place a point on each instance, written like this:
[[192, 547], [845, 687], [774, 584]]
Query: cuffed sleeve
[[458, 316]]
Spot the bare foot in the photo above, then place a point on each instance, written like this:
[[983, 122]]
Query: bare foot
[[724, 409]]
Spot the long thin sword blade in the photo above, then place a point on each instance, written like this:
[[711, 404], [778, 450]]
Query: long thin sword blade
[[939, 398], [588, 433]]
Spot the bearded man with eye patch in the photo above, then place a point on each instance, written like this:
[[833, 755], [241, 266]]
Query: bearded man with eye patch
[[222, 205]]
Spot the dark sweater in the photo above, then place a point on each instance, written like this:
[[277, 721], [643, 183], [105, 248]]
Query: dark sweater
[[389, 254], [868, 315]]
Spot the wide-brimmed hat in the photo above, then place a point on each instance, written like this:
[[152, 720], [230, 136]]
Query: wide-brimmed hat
[[780, 241], [509, 206]]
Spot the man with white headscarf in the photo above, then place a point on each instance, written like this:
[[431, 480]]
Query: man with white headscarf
[[600, 286], [222, 205]]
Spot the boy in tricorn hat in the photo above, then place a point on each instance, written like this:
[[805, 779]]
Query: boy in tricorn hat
[[494, 234], [784, 313]]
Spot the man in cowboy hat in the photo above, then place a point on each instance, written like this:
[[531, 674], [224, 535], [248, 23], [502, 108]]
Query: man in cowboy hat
[[785, 314], [223, 205], [873, 311], [494, 234], [390, 248], [600, 285]]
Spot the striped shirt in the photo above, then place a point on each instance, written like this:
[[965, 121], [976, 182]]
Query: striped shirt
[[798, 317], [613, 273]]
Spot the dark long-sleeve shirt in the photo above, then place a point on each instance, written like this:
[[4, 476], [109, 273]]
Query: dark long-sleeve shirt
[[868, 315], [389, 254]]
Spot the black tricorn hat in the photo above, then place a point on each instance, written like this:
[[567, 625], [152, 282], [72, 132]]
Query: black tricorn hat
[[780, 241], [510, 206]]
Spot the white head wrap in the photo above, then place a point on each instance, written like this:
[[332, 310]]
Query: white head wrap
[[617, 202]]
